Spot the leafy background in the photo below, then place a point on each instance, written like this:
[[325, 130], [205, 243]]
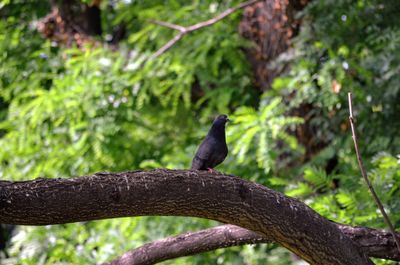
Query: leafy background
[[75, 111]]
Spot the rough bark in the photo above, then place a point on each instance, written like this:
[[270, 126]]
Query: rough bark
[[72, 22], [224, 198], [270, 25], [375, 243]]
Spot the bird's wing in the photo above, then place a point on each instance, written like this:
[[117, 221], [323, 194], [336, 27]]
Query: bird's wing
[[218, 156], [203, 154], [206, 148], [198, 163]]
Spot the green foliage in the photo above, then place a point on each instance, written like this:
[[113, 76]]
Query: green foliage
[[67, 112], [353, 44], [256, 135], [349, 46]]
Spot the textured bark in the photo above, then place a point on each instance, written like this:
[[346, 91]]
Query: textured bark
[[228, 199], [270, 25], [72, 22], [375, 243]]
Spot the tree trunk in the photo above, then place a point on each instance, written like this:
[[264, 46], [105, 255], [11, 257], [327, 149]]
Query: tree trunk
[[270, 25], [72, 22]]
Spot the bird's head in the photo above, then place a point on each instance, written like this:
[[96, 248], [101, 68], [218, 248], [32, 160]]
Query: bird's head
[[221, 119]]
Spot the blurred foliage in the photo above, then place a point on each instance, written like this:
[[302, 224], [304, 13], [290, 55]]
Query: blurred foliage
[[74, 111], [257, 136]]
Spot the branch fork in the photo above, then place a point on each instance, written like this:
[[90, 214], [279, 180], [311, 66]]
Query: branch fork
[[185, 30]]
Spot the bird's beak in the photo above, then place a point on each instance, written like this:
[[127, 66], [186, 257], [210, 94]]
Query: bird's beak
[[227, 120]]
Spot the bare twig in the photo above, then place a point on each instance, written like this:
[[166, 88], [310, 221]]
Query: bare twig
[[168, 45], [364, 174], [169, 25], [185, 30]]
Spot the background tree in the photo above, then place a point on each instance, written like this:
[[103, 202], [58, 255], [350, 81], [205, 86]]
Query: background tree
[[76, 98]]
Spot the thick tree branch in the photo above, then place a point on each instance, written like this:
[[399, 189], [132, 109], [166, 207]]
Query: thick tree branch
[[224, 198], [185, 30], [365, 176], [375, 243]]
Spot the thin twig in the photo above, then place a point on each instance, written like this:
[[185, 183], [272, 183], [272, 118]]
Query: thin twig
[[168, 25], [221, 16], [185, 30], [364, 174], [167, 46]]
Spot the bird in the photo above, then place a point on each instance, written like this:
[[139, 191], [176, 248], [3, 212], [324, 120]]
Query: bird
[[213, 150]]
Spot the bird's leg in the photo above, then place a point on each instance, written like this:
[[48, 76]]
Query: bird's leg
[[214, 171]]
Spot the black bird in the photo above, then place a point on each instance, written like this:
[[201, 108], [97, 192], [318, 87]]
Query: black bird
[[213, 149]]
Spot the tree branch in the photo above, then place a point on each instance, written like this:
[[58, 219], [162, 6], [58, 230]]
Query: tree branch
[[375, 243], [224, 198], [169, 25], [168, 45], [365, 176], [189, 244], [185, 30]]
